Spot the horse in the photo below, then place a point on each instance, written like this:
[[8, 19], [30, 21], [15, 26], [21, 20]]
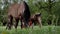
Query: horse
[[18, 12], [36, 19]]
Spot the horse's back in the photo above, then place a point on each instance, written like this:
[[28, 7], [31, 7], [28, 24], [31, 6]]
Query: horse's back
[[12, 10], [21, 8]]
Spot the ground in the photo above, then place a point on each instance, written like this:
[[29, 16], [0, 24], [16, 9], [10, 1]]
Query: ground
[[35, 30]]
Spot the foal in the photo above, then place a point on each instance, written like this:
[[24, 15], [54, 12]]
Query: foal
[[35, 19]]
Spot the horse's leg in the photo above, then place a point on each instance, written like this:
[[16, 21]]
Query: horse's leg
[[26, 24], [31, 24], [9, 24], [16, 24], [39, 21], [22, 24]]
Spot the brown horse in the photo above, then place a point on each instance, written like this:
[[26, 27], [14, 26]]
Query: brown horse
[[35, 19], [18, 12]]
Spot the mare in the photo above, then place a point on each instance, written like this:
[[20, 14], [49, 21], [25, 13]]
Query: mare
[[18, 12]]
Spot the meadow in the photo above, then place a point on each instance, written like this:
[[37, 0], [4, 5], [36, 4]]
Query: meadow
[[50, 13], [35, 30]]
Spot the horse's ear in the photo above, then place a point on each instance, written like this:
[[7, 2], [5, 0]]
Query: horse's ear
[[40, 14]]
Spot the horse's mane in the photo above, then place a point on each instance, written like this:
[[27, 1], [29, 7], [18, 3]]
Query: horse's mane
[[27, 11], [26, 5]]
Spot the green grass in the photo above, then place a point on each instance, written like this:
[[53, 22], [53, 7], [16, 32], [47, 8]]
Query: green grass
[[35, 30]]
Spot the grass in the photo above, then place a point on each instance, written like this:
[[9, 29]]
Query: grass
[[35, 30]]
